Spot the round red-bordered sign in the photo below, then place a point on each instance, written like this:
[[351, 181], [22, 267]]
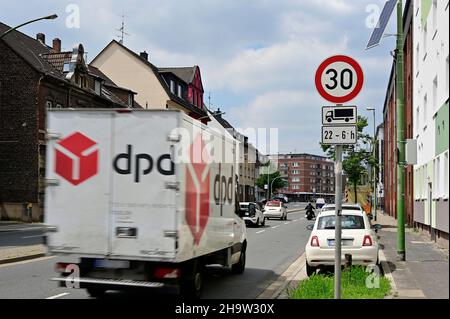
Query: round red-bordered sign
[[354, 90]]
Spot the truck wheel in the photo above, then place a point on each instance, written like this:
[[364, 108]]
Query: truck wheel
[[96, 292], [310, 270], [192, 281], [239, 267]]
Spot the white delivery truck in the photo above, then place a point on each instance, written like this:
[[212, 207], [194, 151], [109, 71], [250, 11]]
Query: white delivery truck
[[140, 199]]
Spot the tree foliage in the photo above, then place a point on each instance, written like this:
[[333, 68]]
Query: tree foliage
[[356, 158], [274, 181]]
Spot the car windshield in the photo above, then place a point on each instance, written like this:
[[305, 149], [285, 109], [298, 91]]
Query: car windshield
[[273, 204], [348, 222], [328, 208], [244, 207]]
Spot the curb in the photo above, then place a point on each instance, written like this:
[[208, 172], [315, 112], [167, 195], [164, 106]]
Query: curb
[[388, 274], [276, 288], [21, 258]]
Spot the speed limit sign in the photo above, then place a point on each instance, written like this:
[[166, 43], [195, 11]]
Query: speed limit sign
[[339, 79]]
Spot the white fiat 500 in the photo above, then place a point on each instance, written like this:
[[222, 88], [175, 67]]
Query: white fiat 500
[[275, 209], [358, 239]]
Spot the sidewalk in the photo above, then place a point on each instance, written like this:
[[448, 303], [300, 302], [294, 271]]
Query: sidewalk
[[14, 246], [425, 273]]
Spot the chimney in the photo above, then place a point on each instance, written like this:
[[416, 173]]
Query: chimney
[[57, 45], [144, 56], [41, 38]]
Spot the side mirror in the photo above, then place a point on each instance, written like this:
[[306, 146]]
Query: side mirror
[[310, 227]]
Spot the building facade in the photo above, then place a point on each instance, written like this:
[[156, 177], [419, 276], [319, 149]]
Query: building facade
[[308, 176], [35, 77], [389, 164], [156, 88], [380, 155], [431, 117]]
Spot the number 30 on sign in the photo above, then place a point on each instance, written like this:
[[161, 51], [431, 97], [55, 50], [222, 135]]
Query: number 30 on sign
[[339, 79]]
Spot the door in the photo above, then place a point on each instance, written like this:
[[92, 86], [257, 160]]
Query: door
[[143, 212], [78, 161]]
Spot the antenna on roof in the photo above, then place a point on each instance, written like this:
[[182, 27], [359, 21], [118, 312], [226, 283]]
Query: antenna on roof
[[122, 34]]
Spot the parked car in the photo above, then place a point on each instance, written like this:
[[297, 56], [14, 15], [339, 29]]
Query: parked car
[[358, 239], [252, 213], [275, 209], [320, 202], [331, 207]]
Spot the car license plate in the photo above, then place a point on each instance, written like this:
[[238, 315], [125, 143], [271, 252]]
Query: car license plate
[[344, 242], [112, 264], [246, 214]]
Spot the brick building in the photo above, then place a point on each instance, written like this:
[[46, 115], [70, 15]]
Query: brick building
[[308, 176], [33, 78], [390, 133]]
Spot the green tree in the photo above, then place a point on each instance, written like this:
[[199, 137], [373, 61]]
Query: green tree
[[273, 180], [356, 158]]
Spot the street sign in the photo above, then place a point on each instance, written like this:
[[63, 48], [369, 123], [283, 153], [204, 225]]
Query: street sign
[[339, 115], [339, 135], [339, 79]]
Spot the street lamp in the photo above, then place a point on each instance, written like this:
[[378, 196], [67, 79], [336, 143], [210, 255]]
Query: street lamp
[[49, 17], [271, 183], [373, 166]]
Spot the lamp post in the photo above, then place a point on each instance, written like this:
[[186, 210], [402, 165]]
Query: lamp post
[[271, 184], [49, 17], [373, 166]]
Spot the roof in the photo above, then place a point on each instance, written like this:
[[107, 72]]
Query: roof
[[45, 60], [184, 73], [57, 60], [163, 83], [30, 50]]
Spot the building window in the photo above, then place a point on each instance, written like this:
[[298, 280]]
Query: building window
[[295, 187], [179, 91], [172, 86], [435, 87], [425, 106], [98, 87], [296, 179], [295, 164], [295, 172], [434, 15], [425, 35]]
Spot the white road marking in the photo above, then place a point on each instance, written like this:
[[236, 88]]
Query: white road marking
[[261, 231], [275, 226], [33, 236], [286, 223], [58, 296]]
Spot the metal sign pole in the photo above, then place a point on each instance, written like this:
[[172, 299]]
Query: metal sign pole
[[337, 224]]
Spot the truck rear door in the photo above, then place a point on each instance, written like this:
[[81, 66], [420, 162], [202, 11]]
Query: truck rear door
[[144, 198], [78, 165]]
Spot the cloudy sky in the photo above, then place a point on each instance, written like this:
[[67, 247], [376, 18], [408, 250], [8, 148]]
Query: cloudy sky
[[257, 57]]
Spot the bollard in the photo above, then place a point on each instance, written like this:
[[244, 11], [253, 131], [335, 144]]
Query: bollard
[[348, 261]]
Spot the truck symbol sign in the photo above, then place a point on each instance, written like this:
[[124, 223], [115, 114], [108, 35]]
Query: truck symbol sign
[[339, 115]]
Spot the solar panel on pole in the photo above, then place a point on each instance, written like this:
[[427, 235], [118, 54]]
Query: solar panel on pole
[[378, 32]]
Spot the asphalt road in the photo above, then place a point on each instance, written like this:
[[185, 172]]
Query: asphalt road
[[271, 249]]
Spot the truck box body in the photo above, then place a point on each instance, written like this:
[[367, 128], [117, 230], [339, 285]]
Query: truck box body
[[132, 186]]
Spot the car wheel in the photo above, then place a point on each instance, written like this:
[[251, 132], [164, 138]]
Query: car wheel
[[192, 283], [310, 270], [239, 267]]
